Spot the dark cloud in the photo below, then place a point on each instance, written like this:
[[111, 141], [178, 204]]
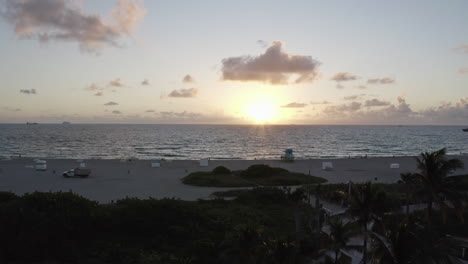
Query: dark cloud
[[59, 20], [117, 112], [294, 105], [116, 83], [375, 102], [275, 66], [30, 91], [184, 93], [344, 77], [145, 82], [463, 70], [11, 109], [319, 103], [385, 80], [188, 79], [111, 103]]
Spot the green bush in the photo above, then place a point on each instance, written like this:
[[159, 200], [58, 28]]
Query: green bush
[[221, 170], [262, 171]]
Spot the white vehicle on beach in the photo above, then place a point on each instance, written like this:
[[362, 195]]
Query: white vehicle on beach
[[83, 173]]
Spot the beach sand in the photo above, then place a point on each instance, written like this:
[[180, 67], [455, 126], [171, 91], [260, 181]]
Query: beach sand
[[116, 179]]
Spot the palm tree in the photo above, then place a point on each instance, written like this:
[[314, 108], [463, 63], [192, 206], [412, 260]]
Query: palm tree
[[340, 234], [367, 207], [408, 241], [436, 185]]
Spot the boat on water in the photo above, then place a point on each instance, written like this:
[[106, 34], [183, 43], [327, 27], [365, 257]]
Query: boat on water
[[28, 123], [66, 123], [465, 129]]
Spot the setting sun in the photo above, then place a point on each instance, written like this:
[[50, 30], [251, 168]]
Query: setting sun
[[262, 111]]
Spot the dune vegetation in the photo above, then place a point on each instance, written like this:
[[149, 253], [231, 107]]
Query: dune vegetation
[[255, 175]]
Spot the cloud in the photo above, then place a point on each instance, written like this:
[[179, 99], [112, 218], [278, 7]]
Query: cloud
[[344, 77], [362, 87], [375, 102], [117, 112], [275, 66], [294, 105], [463, 70], [93, 87], [184, 93], [319, 103], [116, 83], [385, 80], [262, 43], [150, 111], [111, 103], [179, 115], [98, 94], [188, 79], [145, 82], [354, 97], [59, 20], [339, 86], [30, 91], [11, 109]]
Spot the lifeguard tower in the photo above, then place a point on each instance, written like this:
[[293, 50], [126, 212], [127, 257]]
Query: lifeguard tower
[[288, 155]]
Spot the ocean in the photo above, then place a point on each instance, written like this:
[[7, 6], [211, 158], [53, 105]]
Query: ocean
[[225, 141]]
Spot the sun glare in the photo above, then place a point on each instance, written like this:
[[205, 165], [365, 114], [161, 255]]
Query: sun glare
[[261, 112]]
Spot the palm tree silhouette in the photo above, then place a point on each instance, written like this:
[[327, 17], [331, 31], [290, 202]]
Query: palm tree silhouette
[[436, 185]]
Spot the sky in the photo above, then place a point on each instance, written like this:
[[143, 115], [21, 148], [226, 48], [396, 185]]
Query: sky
[[234, 62]]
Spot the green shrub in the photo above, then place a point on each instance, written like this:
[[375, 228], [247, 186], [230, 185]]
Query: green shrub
[[262, 171], [221, 170]]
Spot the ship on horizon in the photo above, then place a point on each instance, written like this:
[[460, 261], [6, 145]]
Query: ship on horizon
[[31, 123]]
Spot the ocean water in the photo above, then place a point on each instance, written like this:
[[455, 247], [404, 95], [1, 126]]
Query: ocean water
[[225, 141]]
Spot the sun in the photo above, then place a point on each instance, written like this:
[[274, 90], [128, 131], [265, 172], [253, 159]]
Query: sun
[[261, 111]]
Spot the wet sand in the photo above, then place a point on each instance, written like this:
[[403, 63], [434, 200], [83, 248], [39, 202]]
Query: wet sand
[[116, 179]]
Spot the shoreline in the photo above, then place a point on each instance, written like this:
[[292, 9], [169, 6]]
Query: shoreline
[[113, 179]]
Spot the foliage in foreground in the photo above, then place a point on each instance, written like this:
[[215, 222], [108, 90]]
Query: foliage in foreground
[[257, 227], [255, 175]]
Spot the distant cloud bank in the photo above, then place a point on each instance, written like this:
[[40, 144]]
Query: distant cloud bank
[[60, 20], [275, 66]]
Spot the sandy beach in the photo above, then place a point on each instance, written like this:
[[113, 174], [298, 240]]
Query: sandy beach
[[116, 179]]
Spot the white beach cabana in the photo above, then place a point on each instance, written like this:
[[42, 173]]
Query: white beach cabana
[[204, 162], [41, 165], [327, 165]]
